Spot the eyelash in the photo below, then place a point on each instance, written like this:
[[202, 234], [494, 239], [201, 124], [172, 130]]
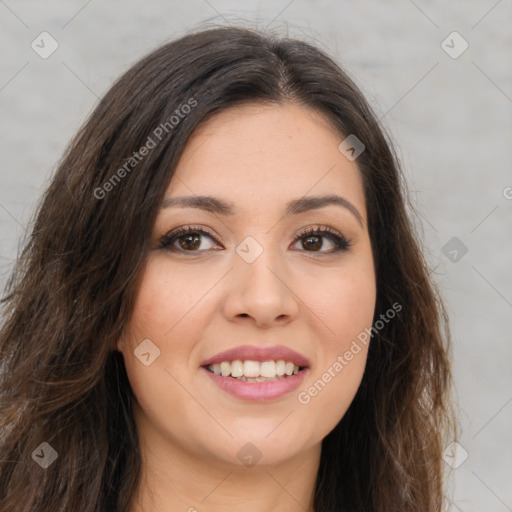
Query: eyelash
[[341, 243]]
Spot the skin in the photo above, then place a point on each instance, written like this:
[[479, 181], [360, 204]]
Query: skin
[[193, 305]]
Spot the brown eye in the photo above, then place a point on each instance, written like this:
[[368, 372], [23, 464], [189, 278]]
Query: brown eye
[[313, 243], [313, 240], [189, 242], [186, 239]]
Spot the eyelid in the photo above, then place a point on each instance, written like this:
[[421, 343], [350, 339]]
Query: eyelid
[[319, 227], [185, 229]]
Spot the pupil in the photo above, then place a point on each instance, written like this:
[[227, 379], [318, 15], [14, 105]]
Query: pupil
[[316, 245], [192, 245]]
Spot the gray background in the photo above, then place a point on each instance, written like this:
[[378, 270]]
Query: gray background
[[450, 117]]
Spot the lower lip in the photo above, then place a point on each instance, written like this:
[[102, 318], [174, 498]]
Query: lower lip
[[258, 391]]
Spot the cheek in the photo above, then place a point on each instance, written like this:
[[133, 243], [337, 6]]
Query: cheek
[[172, 311], [167, 312], [344, 300], [346, 307], [353, 306], [168, 299]]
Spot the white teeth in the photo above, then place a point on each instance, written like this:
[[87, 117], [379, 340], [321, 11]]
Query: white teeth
[[225, 368], [254, 371], [268, 369], [237, 368], [251, 368]]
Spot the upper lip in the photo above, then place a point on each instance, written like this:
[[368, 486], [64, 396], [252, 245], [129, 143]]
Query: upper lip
[[254, 353]]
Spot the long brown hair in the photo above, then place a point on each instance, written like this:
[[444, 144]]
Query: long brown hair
[[74, 283]]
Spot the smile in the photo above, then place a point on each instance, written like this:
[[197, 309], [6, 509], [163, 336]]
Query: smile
[[257, 373]]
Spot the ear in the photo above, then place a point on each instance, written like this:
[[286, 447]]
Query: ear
[[120, 344]]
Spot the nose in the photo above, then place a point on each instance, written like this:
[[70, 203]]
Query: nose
[[261, 292]]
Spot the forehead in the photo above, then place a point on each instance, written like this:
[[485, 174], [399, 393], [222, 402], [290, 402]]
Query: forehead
[[261, 153]]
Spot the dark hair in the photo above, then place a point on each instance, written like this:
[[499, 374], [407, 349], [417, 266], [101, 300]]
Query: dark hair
[[73, 288]]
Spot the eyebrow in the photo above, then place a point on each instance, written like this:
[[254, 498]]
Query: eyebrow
[[294, 207]]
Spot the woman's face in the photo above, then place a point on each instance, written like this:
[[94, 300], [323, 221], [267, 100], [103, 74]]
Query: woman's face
[[257, 293]]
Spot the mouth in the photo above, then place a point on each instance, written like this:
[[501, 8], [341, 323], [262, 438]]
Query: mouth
[[256, 373]]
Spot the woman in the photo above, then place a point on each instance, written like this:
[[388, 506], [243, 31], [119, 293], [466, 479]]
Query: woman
[[223, 301]]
